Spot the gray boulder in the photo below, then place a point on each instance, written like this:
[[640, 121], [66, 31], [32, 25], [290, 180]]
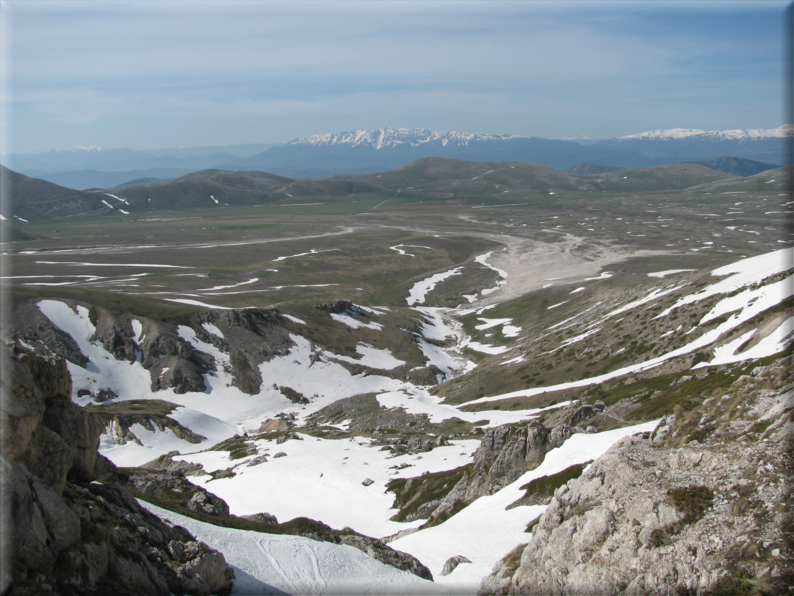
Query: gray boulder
[[204, 502], [452, 563]]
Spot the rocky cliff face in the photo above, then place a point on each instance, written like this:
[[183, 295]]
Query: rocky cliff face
[[504, 454], [67, 527], [700, 507], [250, 337]]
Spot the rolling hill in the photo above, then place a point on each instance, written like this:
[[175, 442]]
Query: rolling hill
[[31, 199], [736, 165], [437, 173]]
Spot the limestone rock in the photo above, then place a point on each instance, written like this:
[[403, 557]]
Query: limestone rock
[[274, 425], [624, 526], [265, 518], [378, 550], [452, 563], [504, 454], [204, 502]]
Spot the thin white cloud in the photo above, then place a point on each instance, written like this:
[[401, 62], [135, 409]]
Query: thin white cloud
[[99, 69]]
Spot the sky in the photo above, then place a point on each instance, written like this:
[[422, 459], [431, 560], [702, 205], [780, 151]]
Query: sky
[[148, 74]]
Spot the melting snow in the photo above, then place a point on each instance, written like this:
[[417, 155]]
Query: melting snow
[[604, 275], [315, 480], [197, 303], [237, 285], [293, 319], [110, 264], [485, 531], [355, 323], [371, 357], [511, 331], [303, 254], [137, 328], [668, 272], [772, 344], [421, 288], [485, 348], [488, 323], [213, 329]]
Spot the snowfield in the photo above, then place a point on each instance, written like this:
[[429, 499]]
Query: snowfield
[[324, 479], [419, 291], [485, 531], [277, 564]]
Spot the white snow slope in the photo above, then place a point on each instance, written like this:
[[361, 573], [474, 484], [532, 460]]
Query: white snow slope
[[322, 479], [278, 564]]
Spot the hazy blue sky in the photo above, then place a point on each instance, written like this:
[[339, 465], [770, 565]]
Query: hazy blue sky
[[161, 74]]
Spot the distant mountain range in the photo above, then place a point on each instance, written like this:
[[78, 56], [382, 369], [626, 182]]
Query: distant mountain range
[[369, 151]]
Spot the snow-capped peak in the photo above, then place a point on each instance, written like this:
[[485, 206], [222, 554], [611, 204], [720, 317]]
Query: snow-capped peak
[[392, 137], [738, 134]]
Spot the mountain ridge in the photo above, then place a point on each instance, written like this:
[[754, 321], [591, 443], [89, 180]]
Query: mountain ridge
[[361, 152]]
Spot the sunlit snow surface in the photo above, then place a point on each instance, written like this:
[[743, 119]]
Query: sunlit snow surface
[[279, 564], [371, 357], [420, 289], [484, 532], [744, 304], [322, 479]]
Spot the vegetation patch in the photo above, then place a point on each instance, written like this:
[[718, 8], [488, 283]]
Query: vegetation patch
[[417, 497], [152, 407], [540, 490], [740, 583], [300, 526], [237, 446], [692, 501]]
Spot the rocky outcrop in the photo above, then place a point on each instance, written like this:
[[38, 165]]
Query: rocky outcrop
[[40, 427], [119, 425], [378, 550], [263, 518], [67, 527], [97, 540], [341, 307], [34, 329], [163, 484], [250, 337], [207, 503], [167, 463], [504, 454], [452, 563], [701, 506], [586, 411]]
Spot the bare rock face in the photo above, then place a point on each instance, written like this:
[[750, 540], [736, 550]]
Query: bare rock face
[[119, 425], [41, 427], [63, 531], [250, 337], [504, 454], [649, 520], [30, 325]]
